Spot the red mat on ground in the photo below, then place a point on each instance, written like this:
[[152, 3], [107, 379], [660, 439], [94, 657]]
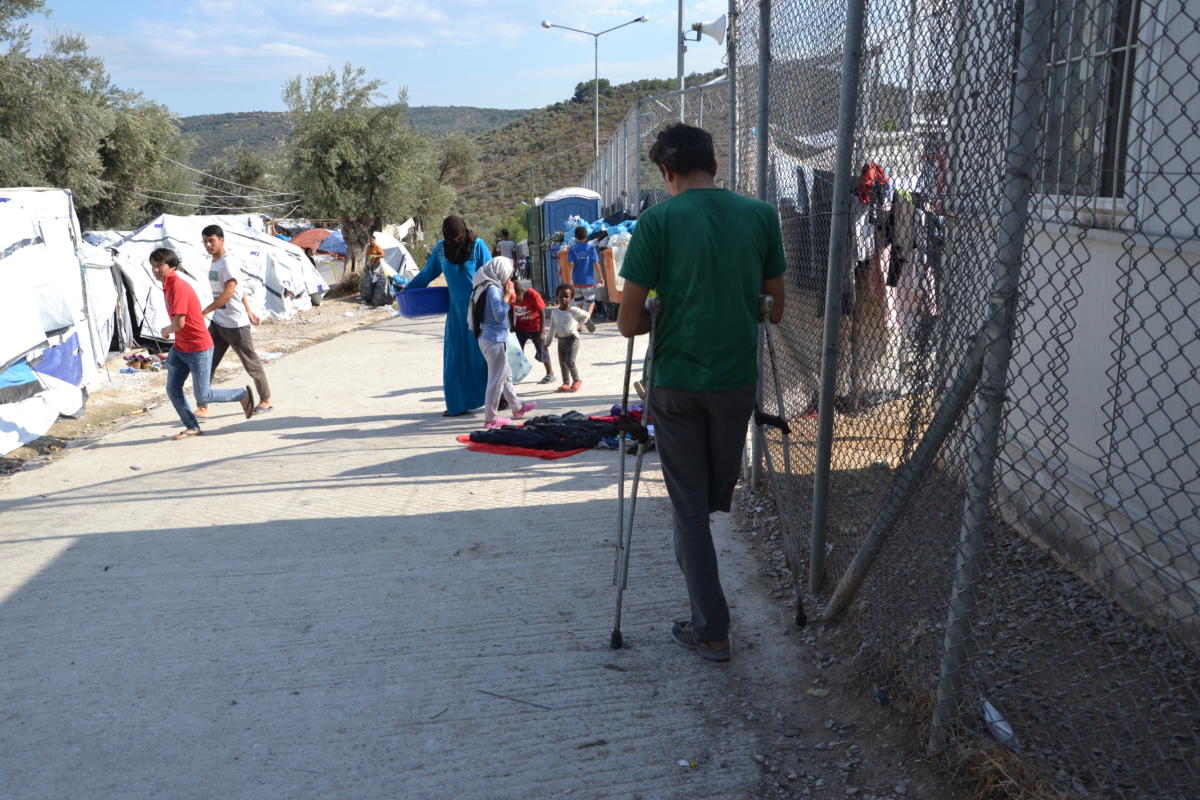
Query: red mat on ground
[[509, 450]]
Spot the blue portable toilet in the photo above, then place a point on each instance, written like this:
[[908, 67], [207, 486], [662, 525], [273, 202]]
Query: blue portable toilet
[[574, 201], [547, 217]]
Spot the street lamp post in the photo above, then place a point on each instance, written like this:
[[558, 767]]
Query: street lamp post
[[547, 24]]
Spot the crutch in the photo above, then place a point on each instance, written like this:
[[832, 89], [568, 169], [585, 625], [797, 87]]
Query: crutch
[[762, 419], [641, 434]]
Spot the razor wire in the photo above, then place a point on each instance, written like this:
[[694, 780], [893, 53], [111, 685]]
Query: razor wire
[[1012, 546]]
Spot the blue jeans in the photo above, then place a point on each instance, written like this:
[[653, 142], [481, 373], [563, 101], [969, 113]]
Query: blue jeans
[[199, 365]]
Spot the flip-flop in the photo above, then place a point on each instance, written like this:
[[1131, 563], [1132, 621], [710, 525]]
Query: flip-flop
[[262, 409], [248, 403], [184, 434]]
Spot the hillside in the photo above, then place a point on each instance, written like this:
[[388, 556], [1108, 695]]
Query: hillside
[[546, 149], [264, 132]]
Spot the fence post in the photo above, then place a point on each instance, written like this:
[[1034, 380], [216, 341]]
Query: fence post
[[951, 406], [757, 445], [1022, 146], [731, 79], [637, 158], [839, 227]]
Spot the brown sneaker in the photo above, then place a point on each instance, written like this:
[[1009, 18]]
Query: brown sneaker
[[685, 635]]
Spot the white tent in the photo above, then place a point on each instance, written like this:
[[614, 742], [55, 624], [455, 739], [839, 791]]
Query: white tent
[[396, 255], [104, 239], [57, 312], [257, 222], [279, 278]]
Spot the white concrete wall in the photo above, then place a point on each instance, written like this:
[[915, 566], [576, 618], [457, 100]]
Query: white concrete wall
[[1100, 465]]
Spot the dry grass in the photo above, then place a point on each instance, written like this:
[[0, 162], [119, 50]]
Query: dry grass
[[996, 773]]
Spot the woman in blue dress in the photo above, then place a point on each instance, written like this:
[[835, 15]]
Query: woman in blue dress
[[457, 256]]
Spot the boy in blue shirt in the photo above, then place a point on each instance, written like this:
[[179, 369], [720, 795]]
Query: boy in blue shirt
[[584, 258]]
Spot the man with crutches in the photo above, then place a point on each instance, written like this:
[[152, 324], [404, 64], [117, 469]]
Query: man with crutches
[[708, 253]]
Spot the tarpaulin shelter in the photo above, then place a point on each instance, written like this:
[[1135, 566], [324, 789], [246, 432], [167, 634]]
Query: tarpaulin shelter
[[396, 255], [334, 243], [59, 308], [279, 278], [311, 238]]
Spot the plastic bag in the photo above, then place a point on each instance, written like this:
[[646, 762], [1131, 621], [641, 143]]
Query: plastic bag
[[518, 363]]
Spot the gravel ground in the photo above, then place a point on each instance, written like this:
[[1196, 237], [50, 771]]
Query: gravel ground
[[1102, 704], [831, 738]]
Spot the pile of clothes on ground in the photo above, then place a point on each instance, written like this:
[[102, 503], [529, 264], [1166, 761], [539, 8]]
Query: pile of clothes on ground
[[559, 432], [563, 432]]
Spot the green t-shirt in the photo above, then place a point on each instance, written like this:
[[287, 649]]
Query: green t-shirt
[[706, 252]]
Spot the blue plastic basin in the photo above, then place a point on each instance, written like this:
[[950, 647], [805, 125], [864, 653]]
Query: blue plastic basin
[[424, 302]]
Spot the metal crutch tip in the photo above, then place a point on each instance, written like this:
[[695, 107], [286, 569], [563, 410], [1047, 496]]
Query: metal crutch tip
[[615, 641]]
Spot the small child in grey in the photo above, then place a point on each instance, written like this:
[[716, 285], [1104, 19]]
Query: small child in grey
[[563, 325]]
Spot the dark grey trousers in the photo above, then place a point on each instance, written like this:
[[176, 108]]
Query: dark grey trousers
[[568, 351], [700, 437]]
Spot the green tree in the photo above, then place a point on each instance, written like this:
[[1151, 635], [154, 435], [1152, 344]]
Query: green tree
[[583, 91], [458, 162], [63, 123], [134, 154], [514, 223], [11, 12], [238, 180], [350, 158]]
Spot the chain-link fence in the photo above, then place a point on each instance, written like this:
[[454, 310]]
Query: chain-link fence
[[624, 176], [989, 361]]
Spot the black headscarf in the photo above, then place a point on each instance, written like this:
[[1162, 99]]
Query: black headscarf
[[459, 239]]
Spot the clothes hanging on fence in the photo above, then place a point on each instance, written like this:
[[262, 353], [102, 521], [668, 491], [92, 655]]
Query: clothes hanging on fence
[[909, 285]]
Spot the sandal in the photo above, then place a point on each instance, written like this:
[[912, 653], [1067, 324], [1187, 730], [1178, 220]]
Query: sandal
[[184, 434], [248, 403], [566, 387], [685, 635], [547, 379]]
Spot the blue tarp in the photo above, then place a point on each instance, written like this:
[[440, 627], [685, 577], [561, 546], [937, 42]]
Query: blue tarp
[[18, 382], [334, 243], [63, 361]]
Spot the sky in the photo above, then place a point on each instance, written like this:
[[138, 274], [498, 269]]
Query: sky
[[217, 56]]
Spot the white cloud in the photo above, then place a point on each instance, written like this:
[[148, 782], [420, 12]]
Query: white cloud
[[405, 11], [272, 50]]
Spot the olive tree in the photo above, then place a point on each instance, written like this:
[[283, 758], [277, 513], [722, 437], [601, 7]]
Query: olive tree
[[350, 158], [63, 123]]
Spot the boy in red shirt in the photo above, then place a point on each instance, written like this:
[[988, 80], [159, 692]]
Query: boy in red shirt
[[192, 350], [529, 310]]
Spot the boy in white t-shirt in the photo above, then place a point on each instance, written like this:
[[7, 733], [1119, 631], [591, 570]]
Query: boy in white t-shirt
[[232, 318]]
